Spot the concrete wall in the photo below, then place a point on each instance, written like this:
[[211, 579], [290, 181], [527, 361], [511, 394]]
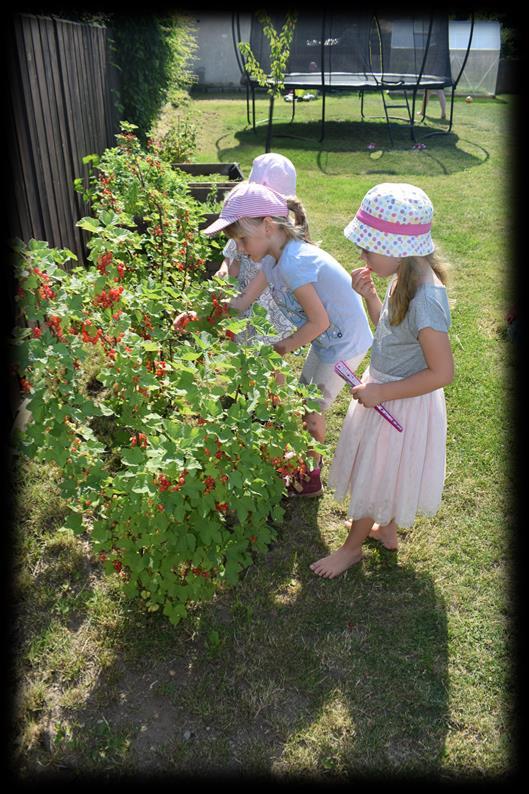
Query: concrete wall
[[216, 62]]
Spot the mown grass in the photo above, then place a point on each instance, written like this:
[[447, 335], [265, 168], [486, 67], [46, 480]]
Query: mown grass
[[400, 667]]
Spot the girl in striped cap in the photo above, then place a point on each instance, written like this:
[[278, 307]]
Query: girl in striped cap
[[310, 288], [391, 476]]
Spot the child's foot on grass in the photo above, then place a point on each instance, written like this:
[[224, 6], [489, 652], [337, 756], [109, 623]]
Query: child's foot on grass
[[337, 562], [386, 534]]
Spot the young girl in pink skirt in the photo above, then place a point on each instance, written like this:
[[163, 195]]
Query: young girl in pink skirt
[[392, 476]]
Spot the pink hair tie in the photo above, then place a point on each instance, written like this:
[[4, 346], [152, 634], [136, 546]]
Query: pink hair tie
[[392, 227]]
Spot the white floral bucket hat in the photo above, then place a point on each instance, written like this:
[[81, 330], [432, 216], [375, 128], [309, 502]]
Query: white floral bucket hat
[[394, 219]]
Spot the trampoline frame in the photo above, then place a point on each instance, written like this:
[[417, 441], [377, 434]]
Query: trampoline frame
[[375, 82]]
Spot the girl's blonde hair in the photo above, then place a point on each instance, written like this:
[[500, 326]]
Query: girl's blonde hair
[[298, 229], [409, 278]]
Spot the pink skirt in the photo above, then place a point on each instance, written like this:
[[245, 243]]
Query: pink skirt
[[390, 475]]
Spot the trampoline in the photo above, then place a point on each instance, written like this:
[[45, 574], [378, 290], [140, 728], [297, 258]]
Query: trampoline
[[394, 56]]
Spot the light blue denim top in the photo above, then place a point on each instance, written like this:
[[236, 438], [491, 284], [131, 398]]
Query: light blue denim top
[[302, 263]]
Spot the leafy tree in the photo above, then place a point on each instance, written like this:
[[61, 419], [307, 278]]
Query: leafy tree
[[280, 43]]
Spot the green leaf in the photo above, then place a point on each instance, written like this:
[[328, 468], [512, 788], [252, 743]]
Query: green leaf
[[74, 522], [134, 561], [209, 533], [60, 455], [151, 347], [243, 506], [90, 224], [130, 589], [231, 572], [142, 489], [100, 532], [132, 457], [107, 217], [178, 511], [235, 480], [170, 291], [175, 613]]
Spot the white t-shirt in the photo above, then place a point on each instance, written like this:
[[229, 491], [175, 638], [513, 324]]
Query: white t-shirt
[[302, 263]]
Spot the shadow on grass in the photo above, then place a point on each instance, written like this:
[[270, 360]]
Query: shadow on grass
[[345, 147], [284, 674]]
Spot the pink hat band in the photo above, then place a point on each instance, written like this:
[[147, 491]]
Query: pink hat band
[[394, 219], [392, 227]]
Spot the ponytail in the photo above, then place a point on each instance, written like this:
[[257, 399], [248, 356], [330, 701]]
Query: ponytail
[[300, 216], [297, 230]]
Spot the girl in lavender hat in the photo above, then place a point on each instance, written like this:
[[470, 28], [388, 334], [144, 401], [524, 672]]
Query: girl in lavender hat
[[276, 171], [391, 476]]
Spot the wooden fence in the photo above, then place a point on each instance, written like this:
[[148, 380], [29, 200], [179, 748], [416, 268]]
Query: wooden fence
[[61, 107]]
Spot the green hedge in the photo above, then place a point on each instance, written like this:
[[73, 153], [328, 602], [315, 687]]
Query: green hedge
[[153, 56]]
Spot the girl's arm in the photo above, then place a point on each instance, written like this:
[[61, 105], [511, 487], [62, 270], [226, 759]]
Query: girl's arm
[[229, 267], [255, 288], [234, 267], [362, 283], [317, 323], [240, 302], [223, 269], [439, 372]]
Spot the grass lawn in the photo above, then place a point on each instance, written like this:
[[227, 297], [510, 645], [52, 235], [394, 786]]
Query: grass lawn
[[400, 667]]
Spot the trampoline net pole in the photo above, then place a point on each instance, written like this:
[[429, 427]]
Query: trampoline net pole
[[322, 58], [236, 36]]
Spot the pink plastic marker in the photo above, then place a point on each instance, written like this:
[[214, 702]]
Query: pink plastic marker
[[349, 376]]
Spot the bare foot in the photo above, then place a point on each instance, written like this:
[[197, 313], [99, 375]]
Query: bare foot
[[387, 534], [337, 562]]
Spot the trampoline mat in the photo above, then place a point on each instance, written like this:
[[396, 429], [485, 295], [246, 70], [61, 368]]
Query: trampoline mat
[[364, 81]]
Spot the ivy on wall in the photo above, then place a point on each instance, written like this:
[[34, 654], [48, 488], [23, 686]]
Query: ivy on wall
[[152, 55]]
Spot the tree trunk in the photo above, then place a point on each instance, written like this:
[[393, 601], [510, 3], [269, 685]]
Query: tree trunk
[[268, 144]]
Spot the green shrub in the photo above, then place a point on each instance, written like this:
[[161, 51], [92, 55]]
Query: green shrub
[[179, 143], [172, 445]]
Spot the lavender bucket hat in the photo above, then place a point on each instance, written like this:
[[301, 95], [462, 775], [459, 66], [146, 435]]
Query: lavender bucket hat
[[276, 171], [394, 219]]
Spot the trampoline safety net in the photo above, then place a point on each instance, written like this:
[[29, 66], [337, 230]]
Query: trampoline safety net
[[362, 52]]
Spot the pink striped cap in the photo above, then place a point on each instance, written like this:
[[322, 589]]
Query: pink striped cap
[[394, 219], [249, 200]]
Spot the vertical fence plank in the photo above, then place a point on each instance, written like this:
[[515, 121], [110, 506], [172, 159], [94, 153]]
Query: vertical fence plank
[[29, 221], [70, 235], [43, 141], [26, 126], [74, 129], [51, 99]]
